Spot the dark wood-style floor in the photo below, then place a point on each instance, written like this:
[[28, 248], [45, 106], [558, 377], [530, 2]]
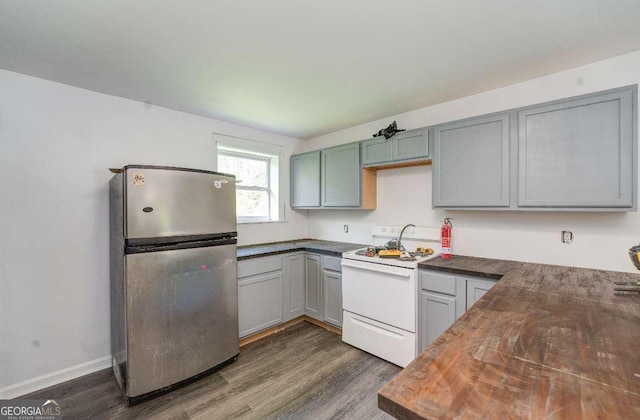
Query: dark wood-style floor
[[303, 372]]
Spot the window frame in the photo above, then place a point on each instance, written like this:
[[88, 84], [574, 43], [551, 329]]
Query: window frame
[[273, 167]]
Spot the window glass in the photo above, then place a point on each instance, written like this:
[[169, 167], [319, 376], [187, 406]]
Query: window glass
[[252, 204], [256, 197], [249, 172]]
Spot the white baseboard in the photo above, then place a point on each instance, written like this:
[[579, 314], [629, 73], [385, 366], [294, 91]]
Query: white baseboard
[[53, 378]]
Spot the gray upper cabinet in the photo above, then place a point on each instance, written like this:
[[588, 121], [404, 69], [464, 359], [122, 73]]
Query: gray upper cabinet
[[411, 144], [404, 146], [340, 182], [305, 180], [471, 163], [578, 153], [376, 150], [341, 176]]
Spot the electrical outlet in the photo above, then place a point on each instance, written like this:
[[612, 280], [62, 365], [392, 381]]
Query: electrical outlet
[[567, 237], [346, 228]]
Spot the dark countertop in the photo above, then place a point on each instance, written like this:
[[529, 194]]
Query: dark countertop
[[545, 341], [311, 245], [471, 266]]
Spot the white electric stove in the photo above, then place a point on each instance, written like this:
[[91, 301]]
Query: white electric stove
[[380, 295]]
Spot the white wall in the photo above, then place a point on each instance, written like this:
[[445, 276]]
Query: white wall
[[404, 195], [56, 143]]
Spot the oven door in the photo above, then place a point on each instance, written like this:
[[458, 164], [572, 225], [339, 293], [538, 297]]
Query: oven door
[[383, 293]]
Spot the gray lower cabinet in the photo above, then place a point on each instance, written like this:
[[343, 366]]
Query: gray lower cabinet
[[443, 298], [332, 297], [437, 313], [578, 153], [332, 287], [476, 288], [471, 163], [259, 302], [340, 176], [313, 298], [293, 286], [305, 180], [279, 288], [323, 288], [404, 146]]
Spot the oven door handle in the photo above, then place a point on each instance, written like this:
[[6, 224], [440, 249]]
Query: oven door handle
[[377, 269]]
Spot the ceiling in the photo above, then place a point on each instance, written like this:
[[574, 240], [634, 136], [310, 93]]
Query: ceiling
[[306, 68]]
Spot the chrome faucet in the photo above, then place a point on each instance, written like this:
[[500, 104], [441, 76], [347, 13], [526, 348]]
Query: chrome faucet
[[400, 237]]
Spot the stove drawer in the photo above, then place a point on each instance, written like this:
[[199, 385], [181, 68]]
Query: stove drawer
[[389, 343]]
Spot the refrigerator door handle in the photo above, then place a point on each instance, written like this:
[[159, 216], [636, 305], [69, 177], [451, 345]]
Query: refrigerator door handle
[[175, 239], [139, 249]]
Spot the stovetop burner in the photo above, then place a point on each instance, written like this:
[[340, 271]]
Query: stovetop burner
[[409, 262], [412, 256], [387, 238]]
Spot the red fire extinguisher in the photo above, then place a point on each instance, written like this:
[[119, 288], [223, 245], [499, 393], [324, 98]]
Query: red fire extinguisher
[[445, 238]]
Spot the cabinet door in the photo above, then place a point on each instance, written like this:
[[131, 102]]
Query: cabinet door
[[305, 180], [412, 144], [471, 163], [259, 302], [341, 176], [332, 297], [437, 313], [376, 150], [313, 287], [476, 289], [293, 287], [577, 153]]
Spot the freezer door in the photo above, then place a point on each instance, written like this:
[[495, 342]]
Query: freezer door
[[181, 315], [173, 203]]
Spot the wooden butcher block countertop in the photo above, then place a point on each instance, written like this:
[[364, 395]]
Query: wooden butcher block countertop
[[545, 342]]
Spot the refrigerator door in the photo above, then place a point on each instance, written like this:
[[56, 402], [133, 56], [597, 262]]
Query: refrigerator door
[[182, 315], [165, 203]]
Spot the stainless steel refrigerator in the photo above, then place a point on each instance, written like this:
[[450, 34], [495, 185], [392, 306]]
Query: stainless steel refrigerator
[[174, 293]]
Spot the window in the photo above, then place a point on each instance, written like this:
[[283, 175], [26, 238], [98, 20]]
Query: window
[[257, 186]]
